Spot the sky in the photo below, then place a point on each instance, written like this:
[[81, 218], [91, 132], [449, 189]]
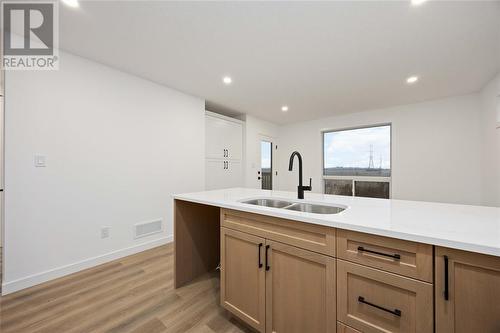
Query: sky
[[351, 148], [265, 149]]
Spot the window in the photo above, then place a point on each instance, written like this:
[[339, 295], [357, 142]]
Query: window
[[266, 165], [357, 162]]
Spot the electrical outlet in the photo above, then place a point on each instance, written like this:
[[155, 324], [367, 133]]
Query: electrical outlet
[[105, 232], [40, 161]]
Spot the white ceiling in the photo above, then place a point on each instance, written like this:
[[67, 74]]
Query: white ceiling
[[319, 58]]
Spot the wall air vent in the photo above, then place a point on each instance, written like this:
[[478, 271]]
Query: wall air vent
[[148, 228]]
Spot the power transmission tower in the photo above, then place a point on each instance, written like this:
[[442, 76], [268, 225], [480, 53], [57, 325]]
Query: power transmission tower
[[371, 165]]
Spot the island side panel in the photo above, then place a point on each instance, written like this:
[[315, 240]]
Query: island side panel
[[196, 240]]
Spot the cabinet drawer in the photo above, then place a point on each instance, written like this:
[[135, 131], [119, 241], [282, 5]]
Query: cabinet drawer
[[394, 255], [341, 328], [371, 300], [310, 237]]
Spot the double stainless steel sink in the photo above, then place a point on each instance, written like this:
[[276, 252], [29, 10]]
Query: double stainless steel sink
[[296, 206]]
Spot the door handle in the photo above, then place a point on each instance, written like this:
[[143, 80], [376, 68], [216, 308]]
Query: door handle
[[260, 262], [394, 256], [395, 312], [446, 292], [267, 258]]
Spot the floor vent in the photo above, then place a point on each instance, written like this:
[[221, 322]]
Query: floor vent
[[144, 229]]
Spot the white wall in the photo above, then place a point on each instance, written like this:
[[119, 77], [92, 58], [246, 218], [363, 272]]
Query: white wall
[[436, 153], [490, 145], [256, 130], [117, 147]]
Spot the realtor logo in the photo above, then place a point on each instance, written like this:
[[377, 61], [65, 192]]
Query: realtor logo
[[30, 35]]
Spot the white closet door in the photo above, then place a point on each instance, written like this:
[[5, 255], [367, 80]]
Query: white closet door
[[234, 140], [224, 138], [215, 175], [234, 174], [2, 119], [215, 137]]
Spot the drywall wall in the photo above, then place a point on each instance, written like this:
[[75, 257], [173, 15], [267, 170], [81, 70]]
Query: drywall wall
[[435, 149], [113, 158], [256, 130], [490, 145]]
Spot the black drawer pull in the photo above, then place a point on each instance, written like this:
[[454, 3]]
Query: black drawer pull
[[267, 258], [446, 288], [394, 256], [260, 262], [395, 312]]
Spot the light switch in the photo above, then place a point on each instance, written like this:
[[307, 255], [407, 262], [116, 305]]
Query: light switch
[[40, 161]]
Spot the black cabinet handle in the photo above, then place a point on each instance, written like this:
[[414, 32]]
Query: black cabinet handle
[[267, 258], [446, 292], [395, 312], [260, 262], [394, 256]]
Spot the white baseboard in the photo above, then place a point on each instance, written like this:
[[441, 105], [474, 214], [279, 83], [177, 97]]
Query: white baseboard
[[33, 280]]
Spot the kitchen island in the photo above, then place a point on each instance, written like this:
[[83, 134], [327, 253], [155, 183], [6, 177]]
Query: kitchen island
[[377, 266]]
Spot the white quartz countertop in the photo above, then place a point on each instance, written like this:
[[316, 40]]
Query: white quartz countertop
[[470, 228]]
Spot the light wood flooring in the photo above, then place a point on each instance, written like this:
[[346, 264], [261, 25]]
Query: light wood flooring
[[133, 294]]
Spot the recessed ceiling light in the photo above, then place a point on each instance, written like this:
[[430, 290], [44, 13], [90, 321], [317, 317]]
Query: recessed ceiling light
[[412, 79], [71, 3], [284, 108], [227, 80], [417, 2]]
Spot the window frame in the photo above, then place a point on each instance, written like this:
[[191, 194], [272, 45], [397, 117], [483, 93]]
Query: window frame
[[355, 178]]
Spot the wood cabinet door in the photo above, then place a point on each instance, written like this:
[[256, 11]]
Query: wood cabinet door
[[242, 278], [300, 290], [467, 292]]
